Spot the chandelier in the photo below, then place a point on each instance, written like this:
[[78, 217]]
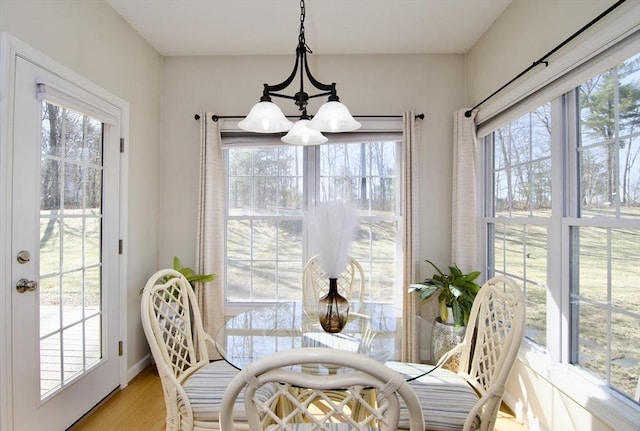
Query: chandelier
[[266, 117]]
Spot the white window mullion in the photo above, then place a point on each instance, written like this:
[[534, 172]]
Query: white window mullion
[[570, 173], [311, 188], [487, 255], [558, 309], [609, 303]]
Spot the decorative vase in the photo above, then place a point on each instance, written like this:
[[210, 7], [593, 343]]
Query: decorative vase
[[333, 309], [445, 337]]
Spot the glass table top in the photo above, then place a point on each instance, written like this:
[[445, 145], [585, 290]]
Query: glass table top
[[373, 329]]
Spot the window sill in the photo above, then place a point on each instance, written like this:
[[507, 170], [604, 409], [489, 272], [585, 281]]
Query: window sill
[[605, 404]]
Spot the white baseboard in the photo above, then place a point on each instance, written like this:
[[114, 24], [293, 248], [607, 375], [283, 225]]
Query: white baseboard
[[138, 367]]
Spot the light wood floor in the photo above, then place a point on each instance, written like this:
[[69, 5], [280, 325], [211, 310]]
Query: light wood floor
[[140, 407]]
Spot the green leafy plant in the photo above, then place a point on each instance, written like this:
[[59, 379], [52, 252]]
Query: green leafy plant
[[189, 274], [456, 290]]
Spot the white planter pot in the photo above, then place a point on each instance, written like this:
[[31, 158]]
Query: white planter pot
[[445, 336]]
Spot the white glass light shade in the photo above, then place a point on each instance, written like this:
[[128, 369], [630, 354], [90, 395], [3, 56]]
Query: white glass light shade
[[334, 117], [300, 134], [265, 117]]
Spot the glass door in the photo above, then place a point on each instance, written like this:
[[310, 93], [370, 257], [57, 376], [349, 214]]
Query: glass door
[[65, 214]]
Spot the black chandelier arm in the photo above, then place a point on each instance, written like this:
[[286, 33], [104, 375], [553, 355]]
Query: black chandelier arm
[[319, 85], [284, 96], [269, 89], [328, 93]]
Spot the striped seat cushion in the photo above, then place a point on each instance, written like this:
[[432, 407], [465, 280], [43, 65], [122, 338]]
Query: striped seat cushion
[[446, 398], [205, 389], [312, 427]]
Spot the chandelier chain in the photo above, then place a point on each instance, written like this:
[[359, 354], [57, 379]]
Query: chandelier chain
[[301, 38]]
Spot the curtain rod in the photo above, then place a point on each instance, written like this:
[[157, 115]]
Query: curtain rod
[[543, 59], [217, 117]]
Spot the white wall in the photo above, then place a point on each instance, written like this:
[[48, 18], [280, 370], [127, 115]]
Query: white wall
[[367, 84], [91, 39], [525, 32]]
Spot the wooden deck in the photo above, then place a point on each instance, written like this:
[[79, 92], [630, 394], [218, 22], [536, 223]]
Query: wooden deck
[[68, 345]]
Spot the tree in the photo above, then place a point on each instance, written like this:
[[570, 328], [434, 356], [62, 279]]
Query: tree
[[610, 116]]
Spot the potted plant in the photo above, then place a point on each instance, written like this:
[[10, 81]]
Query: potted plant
[[189, 274], [456, 291]]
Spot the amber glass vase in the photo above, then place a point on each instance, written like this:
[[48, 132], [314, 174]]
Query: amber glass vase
[[333, 309]]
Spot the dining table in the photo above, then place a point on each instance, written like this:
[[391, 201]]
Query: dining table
[[373, 329]]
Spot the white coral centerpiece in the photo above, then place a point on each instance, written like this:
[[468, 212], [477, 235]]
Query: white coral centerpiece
[[332, 228]]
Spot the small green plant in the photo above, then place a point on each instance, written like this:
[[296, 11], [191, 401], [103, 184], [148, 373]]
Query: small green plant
[[189, 274], [456, 290]]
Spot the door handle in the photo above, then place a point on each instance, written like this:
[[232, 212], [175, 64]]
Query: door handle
[[25, 285]]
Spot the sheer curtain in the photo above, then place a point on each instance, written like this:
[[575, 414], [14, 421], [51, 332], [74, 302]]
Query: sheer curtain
[[464, 211], [410, 344], [210, 246]]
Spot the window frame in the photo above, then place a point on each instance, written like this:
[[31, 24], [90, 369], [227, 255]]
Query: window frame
[[554, 363], [378, 130]]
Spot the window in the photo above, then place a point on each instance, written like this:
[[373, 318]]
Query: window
[[521, 209], [562, 196], [604, 228], [269, 191]]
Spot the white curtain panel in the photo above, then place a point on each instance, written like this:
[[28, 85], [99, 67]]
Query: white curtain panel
[[411, 137], [464, 229], [210, 241]]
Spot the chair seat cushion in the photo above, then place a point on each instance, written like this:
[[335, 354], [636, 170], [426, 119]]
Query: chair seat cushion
[[205, 389], [446, 398]]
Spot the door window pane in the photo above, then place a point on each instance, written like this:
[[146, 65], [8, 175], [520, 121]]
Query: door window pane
[[70, 246]]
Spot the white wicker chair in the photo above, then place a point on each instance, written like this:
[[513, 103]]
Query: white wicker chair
[[470, 399], [192, 385], [310, 395], [315, 283]]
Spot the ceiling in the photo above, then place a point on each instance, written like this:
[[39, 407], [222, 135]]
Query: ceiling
[[249, 27]]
